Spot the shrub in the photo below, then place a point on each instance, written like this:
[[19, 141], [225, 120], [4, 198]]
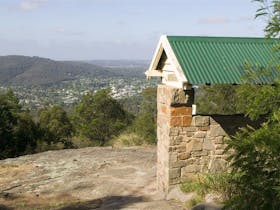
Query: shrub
[[257, 160], [127, 139], [43, 146]]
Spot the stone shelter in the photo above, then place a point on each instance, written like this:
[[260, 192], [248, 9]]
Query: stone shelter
[[188, 143]]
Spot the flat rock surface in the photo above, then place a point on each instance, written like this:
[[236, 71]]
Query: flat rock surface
[[88, 178]]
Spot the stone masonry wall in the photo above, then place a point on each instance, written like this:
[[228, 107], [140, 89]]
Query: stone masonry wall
[[201, 147], [188, 145]]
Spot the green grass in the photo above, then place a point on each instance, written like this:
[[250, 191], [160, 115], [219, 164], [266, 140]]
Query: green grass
[[193, 186]]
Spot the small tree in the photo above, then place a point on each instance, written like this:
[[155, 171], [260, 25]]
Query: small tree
[[256, 156], [99, 117], [55, 125], [145, 123], [18, 132]]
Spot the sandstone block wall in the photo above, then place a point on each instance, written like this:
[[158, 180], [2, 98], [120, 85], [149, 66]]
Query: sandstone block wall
[[197, 148]]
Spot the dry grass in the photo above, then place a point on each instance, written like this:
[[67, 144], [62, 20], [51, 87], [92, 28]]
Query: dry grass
[[11, 172], [29, 202], [80, 142], [127, 139]]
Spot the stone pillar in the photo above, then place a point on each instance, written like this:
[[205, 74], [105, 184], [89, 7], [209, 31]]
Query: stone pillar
[[174, 113]]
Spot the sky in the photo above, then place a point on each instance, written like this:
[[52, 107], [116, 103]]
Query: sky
[[116, 29]]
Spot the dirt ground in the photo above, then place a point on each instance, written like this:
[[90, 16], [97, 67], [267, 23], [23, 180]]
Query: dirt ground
[[88, 178]]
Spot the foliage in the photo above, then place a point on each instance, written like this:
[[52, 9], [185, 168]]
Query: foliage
[[55, 125], [220, 184], [229, 99], [18, 132], [258, 100], [270, 9], [144, 124], [132, 104], [217, 99], [45, 146], [257, 159], [99, 117]]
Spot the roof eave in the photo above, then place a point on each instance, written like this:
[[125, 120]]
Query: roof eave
[[164, 45]]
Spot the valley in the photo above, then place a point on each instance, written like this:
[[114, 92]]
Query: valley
[[39, 82]]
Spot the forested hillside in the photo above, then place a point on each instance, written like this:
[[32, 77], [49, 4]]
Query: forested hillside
[[24, 70]]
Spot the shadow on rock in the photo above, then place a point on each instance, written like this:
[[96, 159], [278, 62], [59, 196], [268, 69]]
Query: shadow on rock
[[2, 207], [207, 206], [106, 203]]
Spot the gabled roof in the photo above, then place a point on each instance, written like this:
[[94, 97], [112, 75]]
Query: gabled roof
[[216, 60]]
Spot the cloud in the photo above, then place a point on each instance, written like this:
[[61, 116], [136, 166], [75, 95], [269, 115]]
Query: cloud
[[28, 5], [215, 20]]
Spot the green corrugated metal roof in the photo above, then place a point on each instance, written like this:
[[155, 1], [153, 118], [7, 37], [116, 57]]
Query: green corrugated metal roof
[[223, 59]]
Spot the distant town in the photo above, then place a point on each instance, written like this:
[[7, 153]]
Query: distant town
[[68, 93], [40, 82]]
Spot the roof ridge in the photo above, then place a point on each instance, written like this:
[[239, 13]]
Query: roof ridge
[[220, 39]]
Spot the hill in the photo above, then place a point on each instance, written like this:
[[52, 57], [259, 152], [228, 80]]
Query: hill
[[24, 70], [121, 63], [127, 68]]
